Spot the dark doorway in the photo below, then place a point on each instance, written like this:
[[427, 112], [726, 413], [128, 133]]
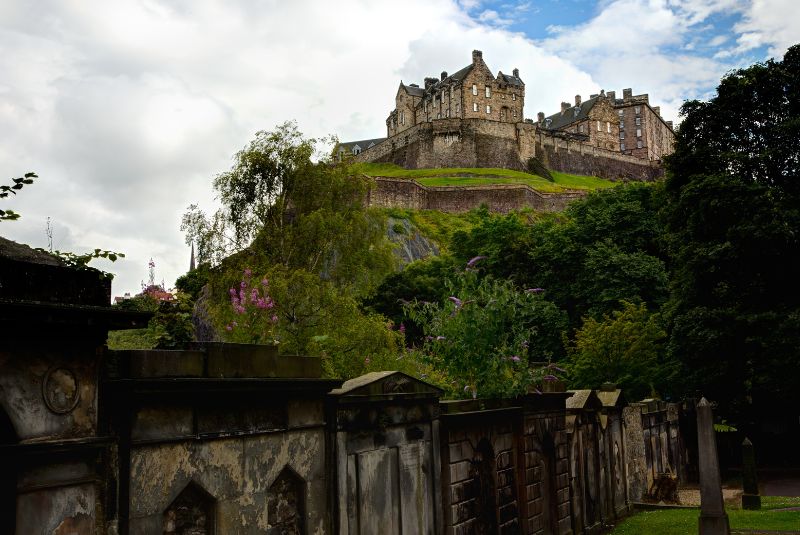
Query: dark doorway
[[8, 476]]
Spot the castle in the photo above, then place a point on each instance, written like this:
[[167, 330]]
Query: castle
[[473, 118]]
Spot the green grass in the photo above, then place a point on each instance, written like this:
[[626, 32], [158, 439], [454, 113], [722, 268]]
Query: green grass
[[473, 176], [435, 225], [684, 521]]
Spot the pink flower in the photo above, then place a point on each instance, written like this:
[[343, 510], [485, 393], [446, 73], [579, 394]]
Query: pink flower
[[243, 284], [261, 303], [274, 318], [254, 295], [515, 358], [265, 281], [247, 272], [402, 328], [229, 327], [232, 291]]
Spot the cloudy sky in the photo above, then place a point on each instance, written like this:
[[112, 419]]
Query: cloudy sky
[[127, 109]]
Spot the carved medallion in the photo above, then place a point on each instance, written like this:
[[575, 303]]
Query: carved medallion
[[60, 390]]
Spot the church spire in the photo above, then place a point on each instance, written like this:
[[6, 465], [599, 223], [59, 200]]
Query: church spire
[[191, 260]]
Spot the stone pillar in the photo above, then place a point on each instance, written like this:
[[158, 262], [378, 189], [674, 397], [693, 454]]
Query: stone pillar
[[713, 519], [750, 497]]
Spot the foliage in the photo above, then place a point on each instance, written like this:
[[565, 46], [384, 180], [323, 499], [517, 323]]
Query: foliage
[[479, 336], [131, 339], [142, 302], [5, 191], [81, 261], [435, 225], [683, 521], [294, 212], [171, 326], [624, 348], [732, 214], [193, 281]]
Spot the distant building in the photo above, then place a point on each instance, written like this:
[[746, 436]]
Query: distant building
[[628, 125], [355, 148]]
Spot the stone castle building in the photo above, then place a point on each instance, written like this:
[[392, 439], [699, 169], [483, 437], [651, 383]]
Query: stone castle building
[[473, 118]]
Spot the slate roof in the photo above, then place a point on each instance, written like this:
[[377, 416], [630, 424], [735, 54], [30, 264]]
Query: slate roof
[[347, 146], [559, 120], [512, 80], [413, 91]]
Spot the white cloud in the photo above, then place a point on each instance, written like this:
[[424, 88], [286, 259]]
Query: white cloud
[[772, 23], [128, 109]]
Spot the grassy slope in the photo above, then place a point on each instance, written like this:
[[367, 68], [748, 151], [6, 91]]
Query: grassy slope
[[484, 176], [435, 225], [683, 521]]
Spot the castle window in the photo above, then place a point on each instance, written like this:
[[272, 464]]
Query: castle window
[[608, 127], [599, 128], [621, 112], [488, 109], [513, 96], [515, 113], [638, 121], [622, 135], [638, 132], [580, 128], [639, 144], [637, 109], [439, 115], [475, 90], [622, 147], [621, 125], [474, 106], [488, 92]]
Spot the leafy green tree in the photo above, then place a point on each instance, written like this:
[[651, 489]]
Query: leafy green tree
[[625, 348], [732, 214], [171, 326], [479, 337], [192, 282]]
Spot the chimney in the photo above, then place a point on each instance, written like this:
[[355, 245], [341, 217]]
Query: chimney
[[516, 73], [477, 55], [657, 109], [627, 94], [565, 106], [602, 92], [540, 117], [612, 96], [593, 95], [429, 82], [669, 123], [577, 100], [413, 85], [444, 75]]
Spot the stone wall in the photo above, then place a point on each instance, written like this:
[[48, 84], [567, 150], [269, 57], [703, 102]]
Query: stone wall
[[503, 198]]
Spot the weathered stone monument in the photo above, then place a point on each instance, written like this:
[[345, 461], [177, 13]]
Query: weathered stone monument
[[713, 519], [750, 497]]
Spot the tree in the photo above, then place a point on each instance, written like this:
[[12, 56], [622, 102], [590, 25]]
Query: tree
[[624, 348], [732, 214]]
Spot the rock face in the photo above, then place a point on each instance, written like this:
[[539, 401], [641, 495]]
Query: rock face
[[411, 245]]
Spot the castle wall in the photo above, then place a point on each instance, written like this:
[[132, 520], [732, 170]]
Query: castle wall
[[502, 198]]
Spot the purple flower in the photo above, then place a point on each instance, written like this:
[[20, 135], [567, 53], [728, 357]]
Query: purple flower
[[232, 291], [254, 295], [274, 318], [550, 378], [261, 303], [474, 260], [243, 284], [265, 281], [534, 290], [247, 272], [402, 328], [229, 327], [515, 358], [455, 301]]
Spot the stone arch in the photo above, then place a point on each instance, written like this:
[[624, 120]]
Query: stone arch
[[286, 504], [8, 482], [192, 512]]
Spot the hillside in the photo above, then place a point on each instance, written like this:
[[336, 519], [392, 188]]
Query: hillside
[[486, 176]]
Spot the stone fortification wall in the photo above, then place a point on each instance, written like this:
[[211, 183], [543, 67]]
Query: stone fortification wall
[[482, 143], [576, 157], [502, 198]]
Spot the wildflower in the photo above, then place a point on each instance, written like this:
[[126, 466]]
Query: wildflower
[[474, 261], [243, 284], [265, 281], [274, 318], [254, 295], [232, 291], [247, 272], [229, 327], [402, 328], [515, 358]]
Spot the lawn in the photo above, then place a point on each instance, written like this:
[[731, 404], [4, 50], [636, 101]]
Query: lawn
[[684, 521], [472, 176]]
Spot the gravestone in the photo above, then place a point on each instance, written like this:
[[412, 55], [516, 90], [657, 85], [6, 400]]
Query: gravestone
[[750, 497], [713, 519]]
